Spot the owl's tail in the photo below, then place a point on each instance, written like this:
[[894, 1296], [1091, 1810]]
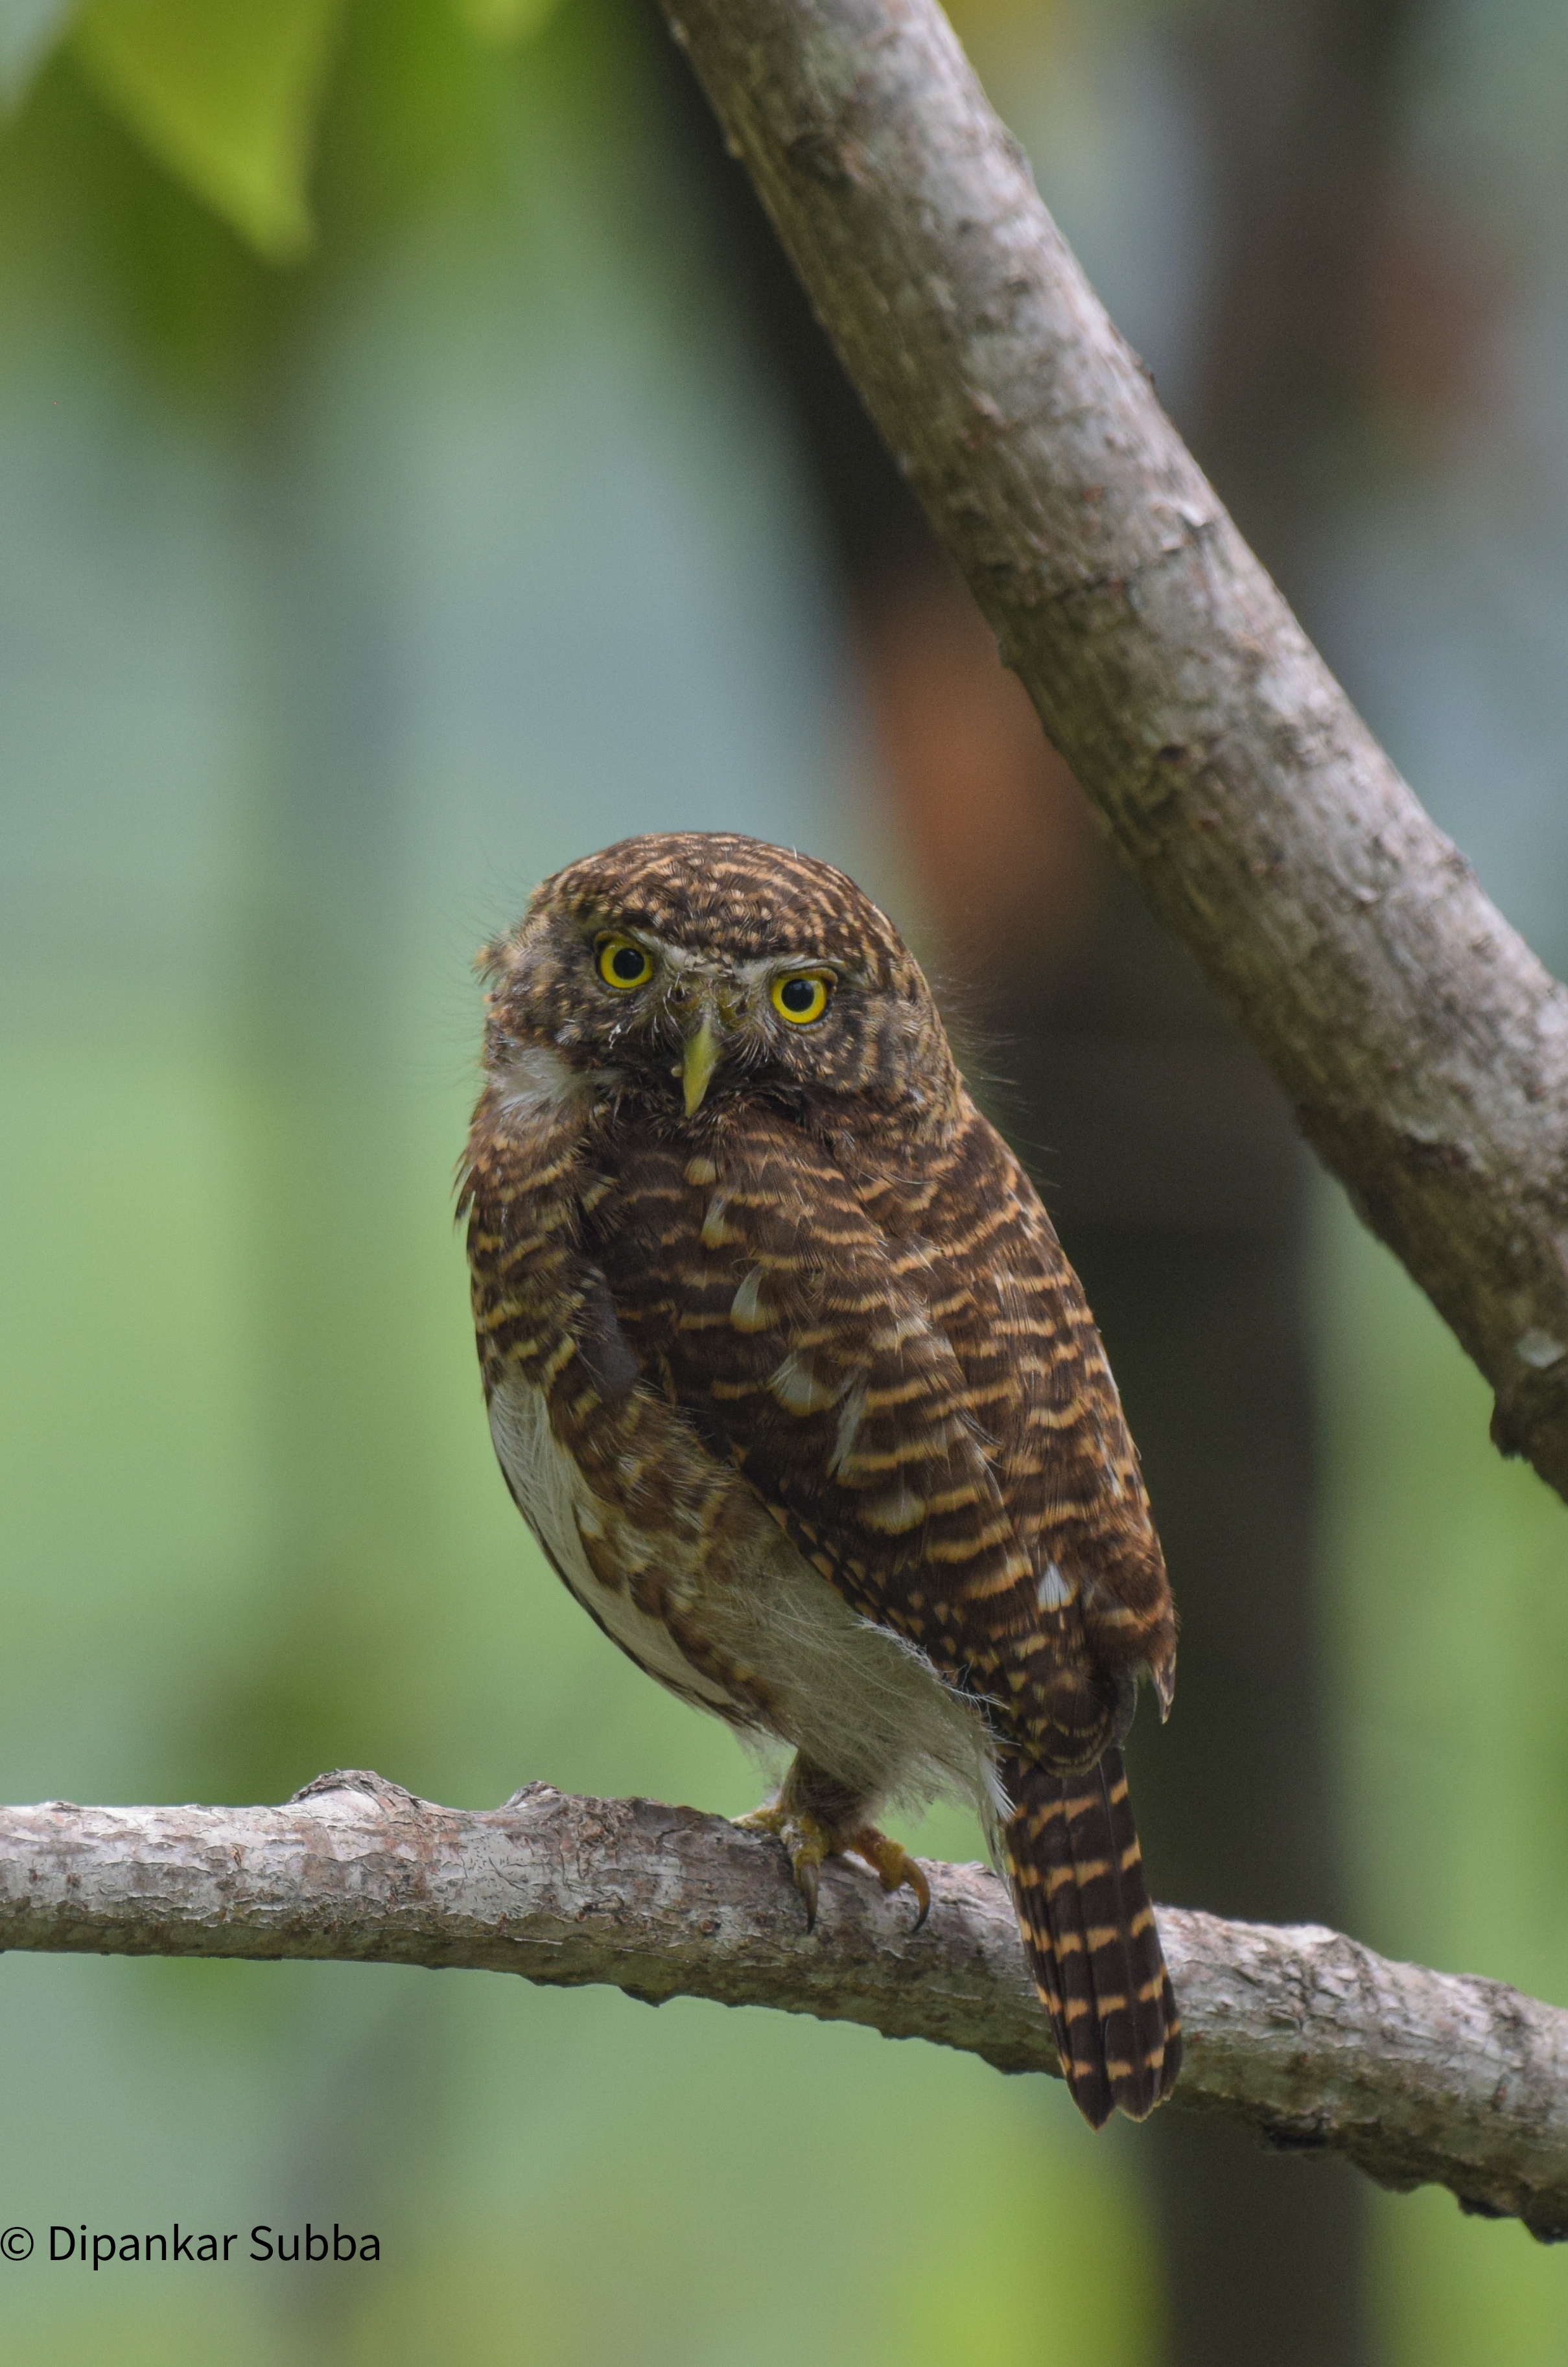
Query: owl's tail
[[1088, 1930]]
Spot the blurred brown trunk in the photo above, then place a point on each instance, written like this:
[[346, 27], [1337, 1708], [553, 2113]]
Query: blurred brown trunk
[[1163, 1149], [1299, 100]]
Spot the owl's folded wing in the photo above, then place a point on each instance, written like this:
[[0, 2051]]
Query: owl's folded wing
[[810, 1346]]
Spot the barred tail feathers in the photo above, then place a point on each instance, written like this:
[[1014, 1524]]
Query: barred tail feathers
[[1088, 1930]]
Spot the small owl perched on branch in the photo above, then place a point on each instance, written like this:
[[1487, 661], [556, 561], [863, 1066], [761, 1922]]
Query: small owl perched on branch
[[791, 1378]]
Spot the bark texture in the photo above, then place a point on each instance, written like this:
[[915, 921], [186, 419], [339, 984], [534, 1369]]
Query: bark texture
[[1314, 2042], [1423, 1045]]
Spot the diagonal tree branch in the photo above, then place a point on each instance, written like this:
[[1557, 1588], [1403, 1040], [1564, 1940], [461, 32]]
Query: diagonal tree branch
[[1314, 2042], [1424, 1047]]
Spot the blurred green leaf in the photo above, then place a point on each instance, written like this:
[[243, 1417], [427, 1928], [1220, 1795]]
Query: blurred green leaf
[[506, 20], [28, 30], [225, 94]]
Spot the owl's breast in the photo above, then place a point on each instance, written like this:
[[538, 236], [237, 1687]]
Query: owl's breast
[[701, 1588], [559, 1507]]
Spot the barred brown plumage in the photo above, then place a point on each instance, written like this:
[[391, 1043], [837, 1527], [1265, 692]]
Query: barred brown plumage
[[789, 1373], [1077, 1874]]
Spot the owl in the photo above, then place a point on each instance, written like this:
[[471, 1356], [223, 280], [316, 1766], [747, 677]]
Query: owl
[[787, 1373]]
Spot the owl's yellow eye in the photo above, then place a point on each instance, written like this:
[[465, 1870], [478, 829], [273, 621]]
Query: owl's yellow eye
[[623, 964], [801, 997]]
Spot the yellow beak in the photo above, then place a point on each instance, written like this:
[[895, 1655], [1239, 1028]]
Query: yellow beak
[[702, 1051]]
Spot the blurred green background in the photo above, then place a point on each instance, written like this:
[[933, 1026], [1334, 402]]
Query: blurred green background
[[412, 473]]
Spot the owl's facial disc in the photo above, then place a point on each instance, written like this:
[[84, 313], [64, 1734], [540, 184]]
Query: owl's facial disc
[[715, 1009], [720, 1008]]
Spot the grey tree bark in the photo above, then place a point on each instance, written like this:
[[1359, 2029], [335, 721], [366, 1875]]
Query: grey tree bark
[[1314, 2042], [1424, 1047]]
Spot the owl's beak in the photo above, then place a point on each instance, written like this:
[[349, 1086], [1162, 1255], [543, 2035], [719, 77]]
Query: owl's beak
[[702, 1058]]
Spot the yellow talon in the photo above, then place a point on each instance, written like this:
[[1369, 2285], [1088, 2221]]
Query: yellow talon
[[895, 1868], [806, 1840], [809, 1843]]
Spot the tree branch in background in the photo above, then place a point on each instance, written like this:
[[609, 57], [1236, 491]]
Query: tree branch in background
[[1424, 1047], [1314, 2042]]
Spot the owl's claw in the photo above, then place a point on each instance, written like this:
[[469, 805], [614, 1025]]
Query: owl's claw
[[806, 1842], [809, 1843], [894, 1867]]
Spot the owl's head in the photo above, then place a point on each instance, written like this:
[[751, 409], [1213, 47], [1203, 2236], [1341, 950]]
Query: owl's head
[[696, 966]]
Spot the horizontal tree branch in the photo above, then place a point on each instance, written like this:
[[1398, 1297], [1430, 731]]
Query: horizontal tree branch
[[1424, 1047], [1316, 2043]]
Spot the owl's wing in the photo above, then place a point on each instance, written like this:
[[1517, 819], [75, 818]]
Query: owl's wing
[[898, 1369]]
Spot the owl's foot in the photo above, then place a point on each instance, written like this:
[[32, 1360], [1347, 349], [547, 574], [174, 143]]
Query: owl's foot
[[806, 1842], [893, 1865], [809, 1841]]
